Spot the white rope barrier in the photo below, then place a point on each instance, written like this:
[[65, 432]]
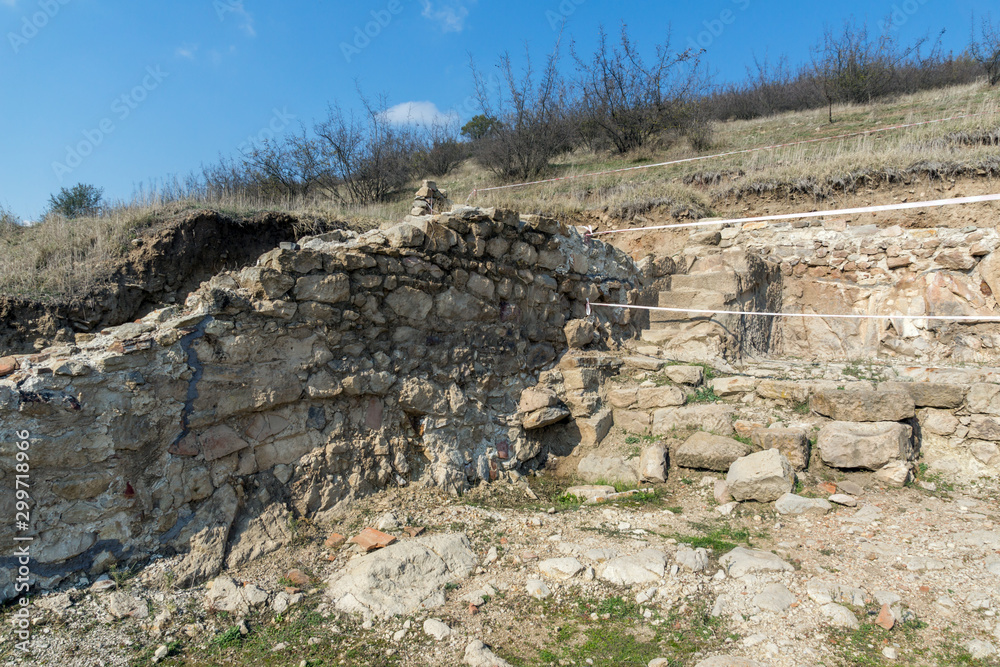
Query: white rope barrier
[[812, 214], [946, 318]]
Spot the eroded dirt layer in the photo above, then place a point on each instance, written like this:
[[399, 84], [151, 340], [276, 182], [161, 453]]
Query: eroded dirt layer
[[163, 266]]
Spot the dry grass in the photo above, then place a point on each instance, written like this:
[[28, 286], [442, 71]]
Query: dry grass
[[60, 258], [814, 168]]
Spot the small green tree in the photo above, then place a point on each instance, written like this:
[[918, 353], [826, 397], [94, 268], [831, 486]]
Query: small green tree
[[480, 126], [82, 199]]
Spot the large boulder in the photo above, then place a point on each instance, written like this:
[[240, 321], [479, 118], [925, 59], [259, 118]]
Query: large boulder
[[715, 418], [861, 405], [704, 451], [607, 469], [764, 476], [930, 394], [404, 577], [792, 442], [867, 446]]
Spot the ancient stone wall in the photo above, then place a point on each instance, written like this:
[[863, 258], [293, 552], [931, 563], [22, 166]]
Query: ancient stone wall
[[332, 368], [836, 267]]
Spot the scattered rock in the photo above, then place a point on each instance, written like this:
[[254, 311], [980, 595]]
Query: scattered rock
[[653, 464], [436, 629], [645, 567], [560, 568], [741, 561], [775, 597], [850, 488], [764, 476], [840, 616], [790, 503], [695, 560], [478, 654], [980, 650], [590, 493], [537, 589], [721, 492], [843, 499], [728, 661], [896, 473], [120, 605]]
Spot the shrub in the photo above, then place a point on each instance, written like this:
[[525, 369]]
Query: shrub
[[633, 102], [531, 126], [80, 200]]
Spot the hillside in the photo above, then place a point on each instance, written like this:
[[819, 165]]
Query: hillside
[[306, 435]]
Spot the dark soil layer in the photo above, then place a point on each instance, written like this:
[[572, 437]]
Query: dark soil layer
[[165, 264]]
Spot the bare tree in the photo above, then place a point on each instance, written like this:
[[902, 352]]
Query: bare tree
[[529, 121], [986, 48], [631, 101], [440, 150], [368, 159], [854, 65]]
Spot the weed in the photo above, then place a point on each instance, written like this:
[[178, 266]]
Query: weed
[[721, 538], [231, 638], [704, 395], [801, 408], [633, 440]]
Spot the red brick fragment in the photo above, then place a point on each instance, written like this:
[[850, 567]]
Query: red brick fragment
[[298, 578], [335, 540], [370, 539], [885, 618]]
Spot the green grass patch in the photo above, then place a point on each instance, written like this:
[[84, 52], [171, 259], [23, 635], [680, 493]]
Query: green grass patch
[[717, 538]]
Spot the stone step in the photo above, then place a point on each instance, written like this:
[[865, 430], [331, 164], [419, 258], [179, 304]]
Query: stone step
[[698, 299], [727, 282], [689, 298]]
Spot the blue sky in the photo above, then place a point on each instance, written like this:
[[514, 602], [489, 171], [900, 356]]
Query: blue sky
[[116, 93]]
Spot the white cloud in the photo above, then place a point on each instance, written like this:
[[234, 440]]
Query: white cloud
[[450, 15], [187, 51], [418, 113]]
